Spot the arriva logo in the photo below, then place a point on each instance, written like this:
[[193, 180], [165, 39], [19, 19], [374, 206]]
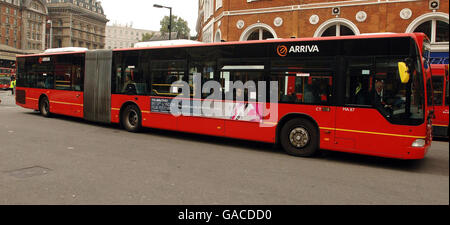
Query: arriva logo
[[282, 50], [304, 48]]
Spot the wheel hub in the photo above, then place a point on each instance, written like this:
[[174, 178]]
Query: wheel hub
[[299, 137]]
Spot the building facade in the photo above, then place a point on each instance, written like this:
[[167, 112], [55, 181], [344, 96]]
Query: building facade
[[22, 28], [76, 23], [124, 36], [241, 20]]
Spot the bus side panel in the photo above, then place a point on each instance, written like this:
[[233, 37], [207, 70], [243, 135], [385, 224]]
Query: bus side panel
[[201, 125], [364, 131], [69, 103], [149, 119], [249, 131], [441, 113]]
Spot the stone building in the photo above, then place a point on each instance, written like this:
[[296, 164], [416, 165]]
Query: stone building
[[76, 23], [124, 36], [241, 20]]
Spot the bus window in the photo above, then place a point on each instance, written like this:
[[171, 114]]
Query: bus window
[[359, 81], [206, 72], [239, 78], [78, 72], [128, 79], [303, 81], [65, 68], [400, 103], [438, 90], [164, 74]]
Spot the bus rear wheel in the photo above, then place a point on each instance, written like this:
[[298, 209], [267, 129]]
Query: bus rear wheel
[[44, 107], [299, 137], [131, 118]]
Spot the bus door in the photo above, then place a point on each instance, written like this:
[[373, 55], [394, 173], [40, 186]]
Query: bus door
[[356, 115]]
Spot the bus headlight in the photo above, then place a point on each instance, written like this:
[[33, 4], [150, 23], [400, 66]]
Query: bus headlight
[[418, 143]]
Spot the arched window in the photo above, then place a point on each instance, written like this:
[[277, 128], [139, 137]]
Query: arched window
[[338, 30], [336, 27], [436, 30], [435, 26], [258, 31], [259, 34]]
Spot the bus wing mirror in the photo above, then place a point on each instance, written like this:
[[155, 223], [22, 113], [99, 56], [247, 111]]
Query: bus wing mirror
[[403, 72]]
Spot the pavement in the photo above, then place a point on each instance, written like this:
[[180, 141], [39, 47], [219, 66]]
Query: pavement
[[7, 99], [63, 160]]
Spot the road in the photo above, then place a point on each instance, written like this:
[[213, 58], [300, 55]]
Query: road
[[62, 160]]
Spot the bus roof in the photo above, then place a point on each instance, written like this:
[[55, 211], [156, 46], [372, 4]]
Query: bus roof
[[165, 43], [367, 36]]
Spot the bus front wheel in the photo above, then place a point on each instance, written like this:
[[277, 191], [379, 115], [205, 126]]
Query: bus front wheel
[[299, 137], [131, 118], [44, 107]]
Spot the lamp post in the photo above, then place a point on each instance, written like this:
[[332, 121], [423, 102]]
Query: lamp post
[[170, 18], [51, 33]]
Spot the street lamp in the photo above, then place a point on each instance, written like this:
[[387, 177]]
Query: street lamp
[[170, 18], [51, 33]]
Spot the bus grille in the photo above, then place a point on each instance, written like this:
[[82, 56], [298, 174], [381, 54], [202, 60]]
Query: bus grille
[[20, 96]]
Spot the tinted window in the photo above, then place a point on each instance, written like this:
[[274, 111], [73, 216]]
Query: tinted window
[[438, 90], [359, 79], [307, 81], [129, 75], [61, 72]]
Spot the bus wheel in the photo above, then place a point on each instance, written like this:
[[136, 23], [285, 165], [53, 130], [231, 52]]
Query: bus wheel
[[299, 137], [44, 107], [131, 118]]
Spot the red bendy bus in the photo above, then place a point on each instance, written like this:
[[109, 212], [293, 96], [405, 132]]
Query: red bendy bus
[[327, 94], [440, 99], [5, 77]]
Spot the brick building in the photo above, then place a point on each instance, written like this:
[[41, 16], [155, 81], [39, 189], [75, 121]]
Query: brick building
[[22, 28], [241, 20]]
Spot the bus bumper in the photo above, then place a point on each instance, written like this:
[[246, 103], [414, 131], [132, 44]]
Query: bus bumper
[[416, 152]]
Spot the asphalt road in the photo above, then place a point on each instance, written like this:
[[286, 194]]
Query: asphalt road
[[62, 160]]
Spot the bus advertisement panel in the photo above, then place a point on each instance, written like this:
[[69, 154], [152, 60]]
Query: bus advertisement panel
[[360, 94]]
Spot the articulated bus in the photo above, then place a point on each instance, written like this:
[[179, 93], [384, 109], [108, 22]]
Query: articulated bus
[[5, 77], [440, 99], [364, 94]]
